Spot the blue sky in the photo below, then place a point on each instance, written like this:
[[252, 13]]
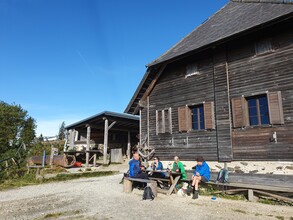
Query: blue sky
[[65, 60]]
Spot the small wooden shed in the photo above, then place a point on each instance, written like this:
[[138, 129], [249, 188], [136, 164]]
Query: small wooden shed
[[110, 129]]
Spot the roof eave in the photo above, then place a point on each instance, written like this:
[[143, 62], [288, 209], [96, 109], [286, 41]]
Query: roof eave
[[105, 114]]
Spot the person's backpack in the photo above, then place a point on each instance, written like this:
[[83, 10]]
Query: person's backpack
[[148, 194], [223, 176]]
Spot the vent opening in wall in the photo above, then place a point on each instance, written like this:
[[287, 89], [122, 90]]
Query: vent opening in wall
[[263, 46], [191, 70]]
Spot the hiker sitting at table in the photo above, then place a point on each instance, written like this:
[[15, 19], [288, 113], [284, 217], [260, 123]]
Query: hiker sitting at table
[[157, 165], [135, 168], [200, 174], [178, 167]]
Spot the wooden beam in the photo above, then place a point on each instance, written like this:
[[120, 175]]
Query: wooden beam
[[106, 129], [274, 196], [88, 139], [150, 87], [148, 120], [140, 128], [111, 125], [128, 145]]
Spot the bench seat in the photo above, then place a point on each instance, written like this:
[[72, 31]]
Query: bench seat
[[128, 184]]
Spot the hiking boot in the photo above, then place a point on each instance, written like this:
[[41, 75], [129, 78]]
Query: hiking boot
[[195, 195]]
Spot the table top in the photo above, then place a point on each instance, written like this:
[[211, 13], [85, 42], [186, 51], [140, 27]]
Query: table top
[[164, 171]]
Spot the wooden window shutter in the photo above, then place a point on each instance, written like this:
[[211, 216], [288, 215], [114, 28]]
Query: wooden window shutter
[[275, 107], [159, 120], [209, 115], [184, 118], [239, 112]]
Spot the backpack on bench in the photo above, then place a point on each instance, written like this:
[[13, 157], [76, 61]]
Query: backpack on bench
[[223, 176]]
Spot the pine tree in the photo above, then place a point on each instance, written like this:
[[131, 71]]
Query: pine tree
[[61, 134], [16, 127]]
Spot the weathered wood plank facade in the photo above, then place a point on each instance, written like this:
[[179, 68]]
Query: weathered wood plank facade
[[229, 100]]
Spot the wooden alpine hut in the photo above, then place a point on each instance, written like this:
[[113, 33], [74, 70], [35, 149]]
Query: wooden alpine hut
[[225, 91]]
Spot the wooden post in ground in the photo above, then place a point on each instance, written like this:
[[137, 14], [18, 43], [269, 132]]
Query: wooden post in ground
[[250, 195], [71, 136], [129, 145], [95, 159], [106, 129], [88, 139], [127, 186]]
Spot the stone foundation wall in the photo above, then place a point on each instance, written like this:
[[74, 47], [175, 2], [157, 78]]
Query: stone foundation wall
[[285, 168]]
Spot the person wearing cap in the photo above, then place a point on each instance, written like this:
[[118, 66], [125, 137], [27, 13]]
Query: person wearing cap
[[178, 167], [200, 174], [157, 164]]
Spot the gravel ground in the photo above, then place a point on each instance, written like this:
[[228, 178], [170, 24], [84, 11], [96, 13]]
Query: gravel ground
[[102, 198]]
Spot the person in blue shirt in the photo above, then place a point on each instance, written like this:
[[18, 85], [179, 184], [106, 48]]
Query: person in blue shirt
[[135, 169], [200, 174], [157, 165]]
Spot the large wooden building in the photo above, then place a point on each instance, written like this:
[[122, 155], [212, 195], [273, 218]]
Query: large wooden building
[[225, 91]]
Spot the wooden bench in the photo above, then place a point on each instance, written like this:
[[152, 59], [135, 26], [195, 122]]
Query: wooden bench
[[128, 182], [264, 190]]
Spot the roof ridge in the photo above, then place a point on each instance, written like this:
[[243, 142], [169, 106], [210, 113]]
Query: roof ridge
[[186, 36], [265, 1]]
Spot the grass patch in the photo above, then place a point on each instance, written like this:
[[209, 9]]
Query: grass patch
[[280, 217], [59, 214], [240, 211], [53, 215], [269, 201], [30, 179], [209, 191], [232, 197], [53, 170]]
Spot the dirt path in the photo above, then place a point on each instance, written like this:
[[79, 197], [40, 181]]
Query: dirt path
[[102, 198]]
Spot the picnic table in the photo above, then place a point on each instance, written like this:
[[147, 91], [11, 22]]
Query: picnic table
[[171, 177]]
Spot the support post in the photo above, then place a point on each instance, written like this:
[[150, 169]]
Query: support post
[[71, 136], [106, 140], [148, 121], [88, 139], [250, 195], [95, 160], [127, 185], [128, 145], [140, 129]]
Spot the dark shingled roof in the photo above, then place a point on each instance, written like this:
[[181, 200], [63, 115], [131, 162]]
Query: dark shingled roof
[[233, 18]]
